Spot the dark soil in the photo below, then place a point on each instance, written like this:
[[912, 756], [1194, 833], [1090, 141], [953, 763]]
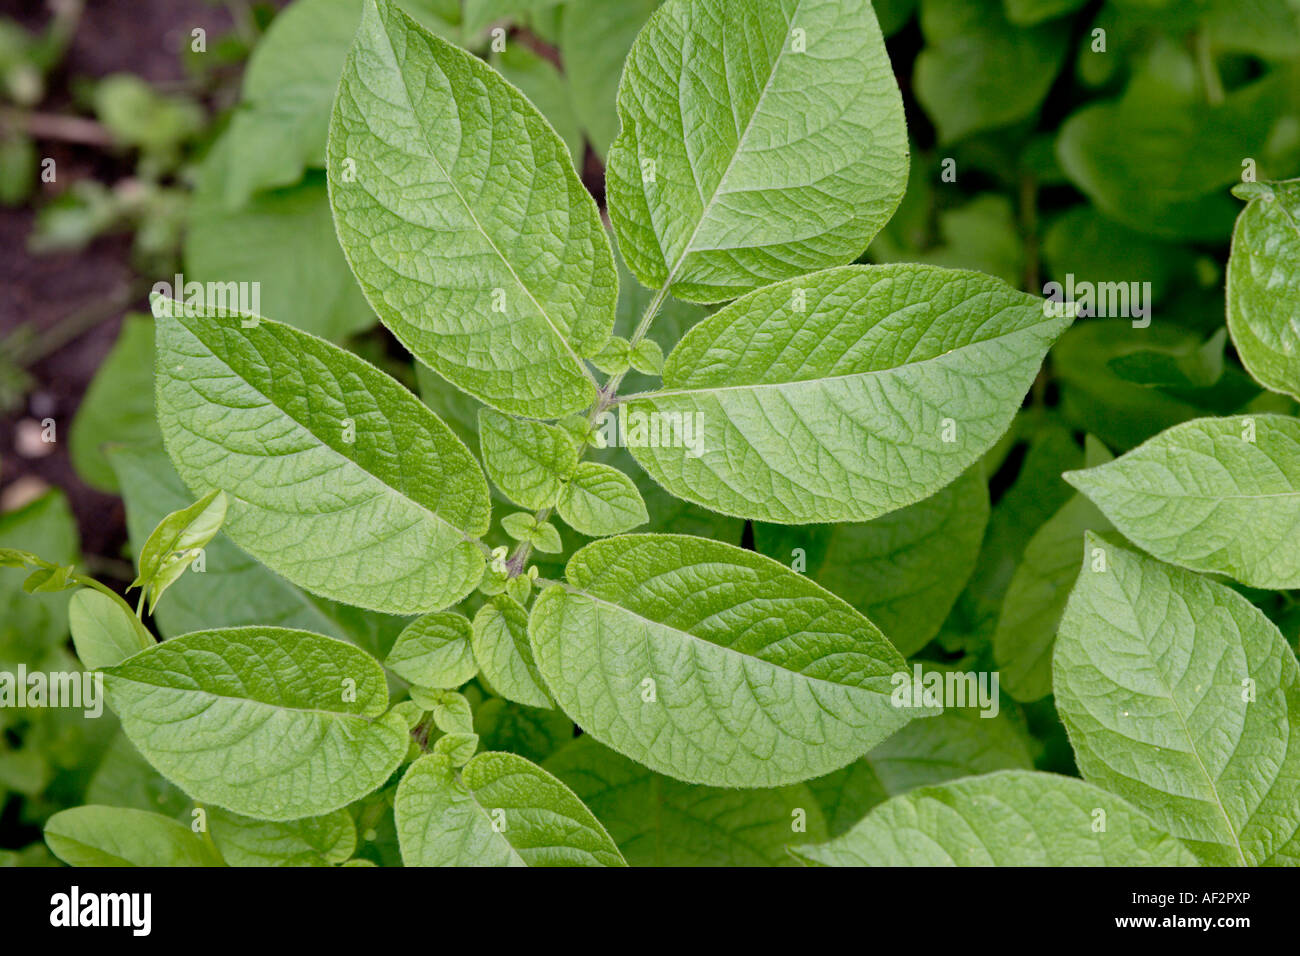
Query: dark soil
[[144, 37]]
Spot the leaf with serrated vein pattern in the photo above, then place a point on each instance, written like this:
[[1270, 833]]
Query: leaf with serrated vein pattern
[[1182, 697], [713, 664], [260, 720], [1012, 818], [1213, 494], [464, 221], [846, 394], [383, 521], [775, 132], [503, 811]]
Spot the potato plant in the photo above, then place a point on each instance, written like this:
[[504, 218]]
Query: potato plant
[[693, 509]]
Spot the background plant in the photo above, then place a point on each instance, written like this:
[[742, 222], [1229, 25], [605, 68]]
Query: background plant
[[827, 396]]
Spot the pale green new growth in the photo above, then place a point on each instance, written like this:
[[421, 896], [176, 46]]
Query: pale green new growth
[[339, 478], [846, 394], [503, 653], [1011, 818], [502, 810], [460, 212], [713, 664], [176, 542], [1214, 494], [1183, 698], [598, 500], [266, 722], [103, 631], [1264, 285], [434, 651]]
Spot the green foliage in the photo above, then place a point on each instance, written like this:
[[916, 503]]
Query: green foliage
[[863, 482]]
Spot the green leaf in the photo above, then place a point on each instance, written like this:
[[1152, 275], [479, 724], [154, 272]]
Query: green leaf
[[514, 278], [1264, 287], [504, 654], [457, 748], [541, 82], [1027, 13], [115, 836], [118, 406], [434, 651], [1180, 696], [776, 137], [1012, 818], [545, 537], [266, 722], [103, 631], [124, 778], [598, 500], [451, 710], [526, 459], [595, 37], [979, 72], [314, 841], [1035, 598], [713, 664], [647, 357], [503, 811], [1214, 494], [339, 478], [903, 570], [284, 241], [960, 742], [478, 15], [234, 589], [176, 542], [843, 395], [30, 625], [280, 125], [659, 821]]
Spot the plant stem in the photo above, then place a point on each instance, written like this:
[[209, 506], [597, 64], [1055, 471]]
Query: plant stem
[[605, 398], [1210, 78]]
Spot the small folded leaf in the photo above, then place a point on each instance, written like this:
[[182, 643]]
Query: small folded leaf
[[1182, 697], [504, 655], [339, 478], [116, 836], [103, 631], [1011, 818], [598, 500], [266, 722], [713, 664], [1264, 286], [434, 651], [313, 841], [527, 460], [1214, 494], [843, 395], [176, 542], [503, 811], [759, 141], [458, 749], [459, 210]]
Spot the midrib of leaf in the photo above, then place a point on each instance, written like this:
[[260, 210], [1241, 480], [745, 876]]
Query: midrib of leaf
[[659, 625], [809, 382], [214, 697], [455, 188], [487, 815], [340, 455], [731, 162], [1191, 743]]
